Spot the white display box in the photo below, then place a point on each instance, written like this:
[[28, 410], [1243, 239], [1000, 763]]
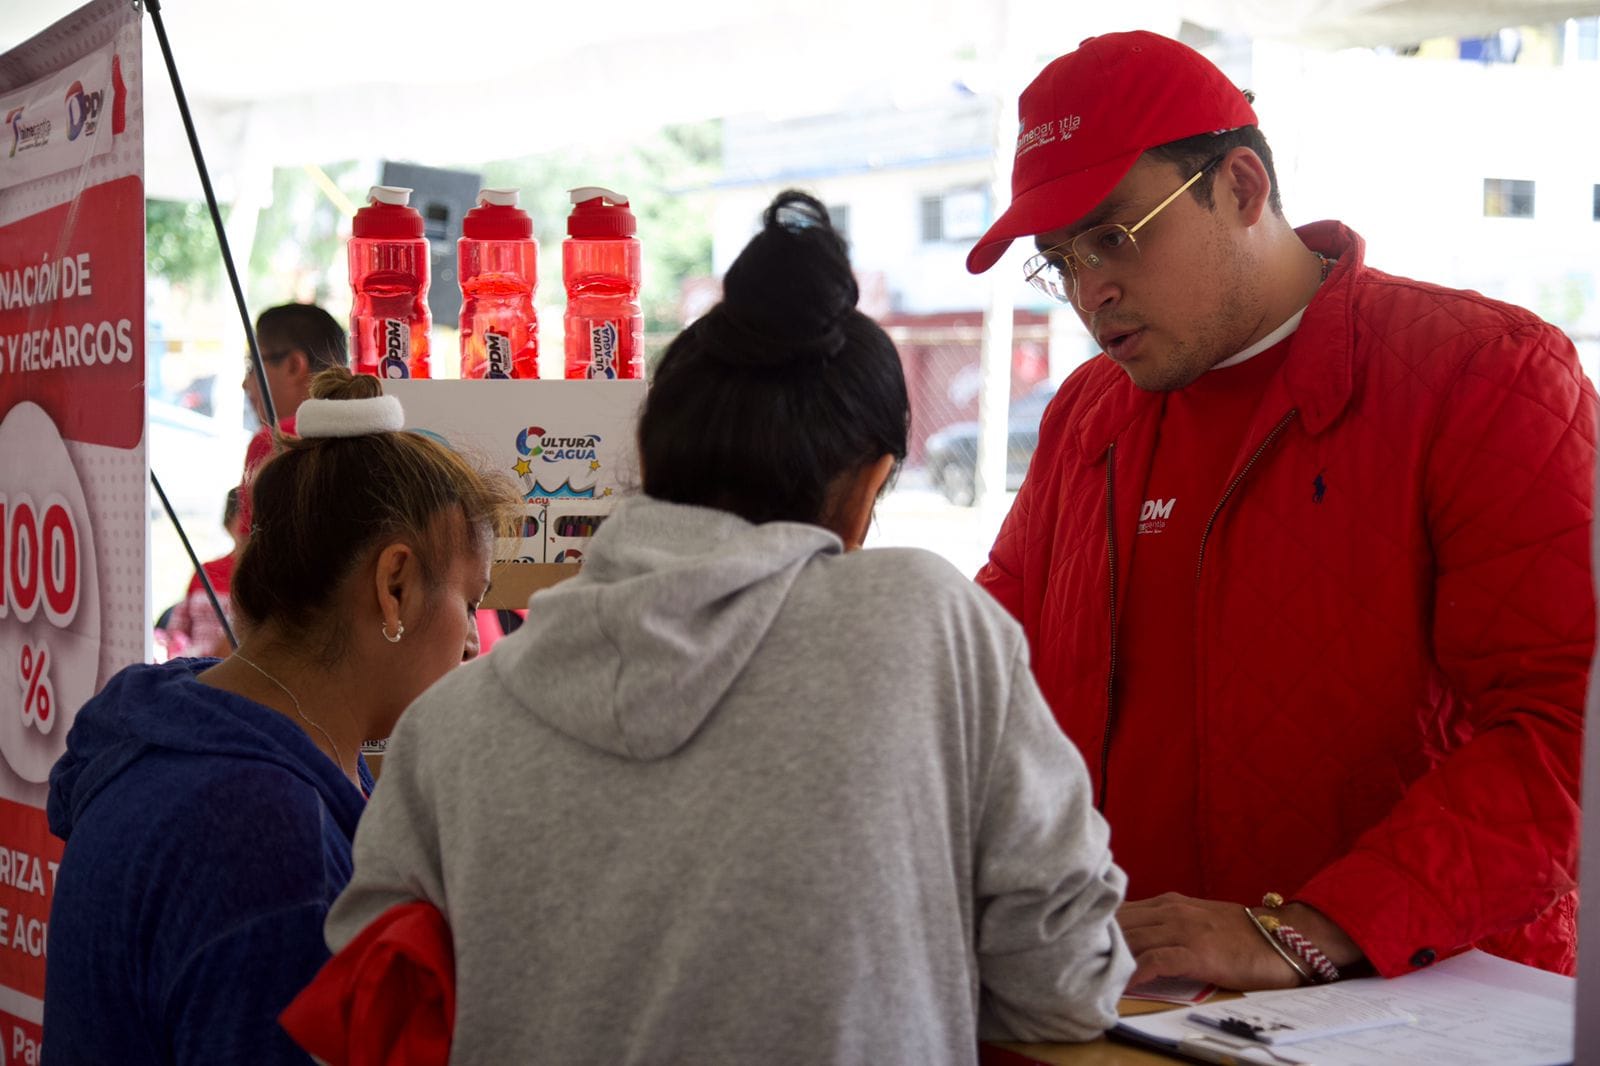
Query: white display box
[[568, 527], [564, 444]]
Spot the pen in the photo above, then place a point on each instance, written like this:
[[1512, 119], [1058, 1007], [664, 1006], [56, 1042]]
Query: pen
[[1232, 1025], [1231, 1053]]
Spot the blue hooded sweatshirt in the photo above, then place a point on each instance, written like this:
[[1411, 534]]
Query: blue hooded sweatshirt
[[206, 838]]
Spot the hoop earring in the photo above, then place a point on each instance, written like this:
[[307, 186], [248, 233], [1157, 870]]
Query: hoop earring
[[399, 631]]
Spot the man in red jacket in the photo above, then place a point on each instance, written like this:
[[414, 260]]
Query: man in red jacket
[[1303, 559], [297, 342]]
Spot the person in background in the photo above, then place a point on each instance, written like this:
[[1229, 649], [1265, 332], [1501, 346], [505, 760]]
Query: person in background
[[193, 627], [297, 342], [208, 806], [1303, 557], [734, 799]]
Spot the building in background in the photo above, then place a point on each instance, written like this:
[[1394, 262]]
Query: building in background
[[908, 185], [1466, 162]]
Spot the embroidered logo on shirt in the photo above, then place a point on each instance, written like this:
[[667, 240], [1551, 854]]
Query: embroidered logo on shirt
[[1153, 516]]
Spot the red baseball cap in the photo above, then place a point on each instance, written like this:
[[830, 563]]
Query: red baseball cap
[[1089, 116]]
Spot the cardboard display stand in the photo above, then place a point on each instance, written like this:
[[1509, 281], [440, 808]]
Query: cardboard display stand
[[568, 446]]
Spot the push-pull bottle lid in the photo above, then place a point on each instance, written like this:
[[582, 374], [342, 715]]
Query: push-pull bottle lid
[[389, 194], [599, 213], [497, 218], [388, 215], [584, 193]]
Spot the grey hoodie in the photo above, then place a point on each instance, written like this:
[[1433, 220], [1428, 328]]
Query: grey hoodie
[[732, 795]]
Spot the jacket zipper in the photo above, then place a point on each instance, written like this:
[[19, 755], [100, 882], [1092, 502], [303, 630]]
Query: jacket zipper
[[1111, 674], [1205, 537], [1111, 553], [1237, 478]]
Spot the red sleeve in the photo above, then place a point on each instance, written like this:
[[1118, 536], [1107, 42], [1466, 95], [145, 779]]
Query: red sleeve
[[1488, 839], [389, 996], [1001, 576]]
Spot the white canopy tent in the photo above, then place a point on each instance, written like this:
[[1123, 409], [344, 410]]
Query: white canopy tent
[[306, 81], [1369, 23]]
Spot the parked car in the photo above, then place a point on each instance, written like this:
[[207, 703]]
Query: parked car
[[951, 454], [196, 396]]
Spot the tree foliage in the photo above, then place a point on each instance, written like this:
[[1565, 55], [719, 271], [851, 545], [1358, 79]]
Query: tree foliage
[[658, 174], [180, 244]]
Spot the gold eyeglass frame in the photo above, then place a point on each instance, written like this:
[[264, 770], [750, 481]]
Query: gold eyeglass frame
[[1036, 265]]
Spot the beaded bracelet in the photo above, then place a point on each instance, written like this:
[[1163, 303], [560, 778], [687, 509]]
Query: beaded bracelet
[[1294, 963], [1296, 942]]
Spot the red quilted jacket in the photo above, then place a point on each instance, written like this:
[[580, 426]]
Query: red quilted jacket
[[1391, 670]]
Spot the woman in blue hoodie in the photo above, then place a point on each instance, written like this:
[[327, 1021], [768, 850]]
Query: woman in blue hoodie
[[208, 806]]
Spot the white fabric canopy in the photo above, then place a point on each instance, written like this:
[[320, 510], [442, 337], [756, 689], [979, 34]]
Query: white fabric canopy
[[1367, 23], [300, 81]]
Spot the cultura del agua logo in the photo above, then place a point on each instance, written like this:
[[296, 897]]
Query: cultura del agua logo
[[534, 442], [528, 441], [577, 456], [603, 350]]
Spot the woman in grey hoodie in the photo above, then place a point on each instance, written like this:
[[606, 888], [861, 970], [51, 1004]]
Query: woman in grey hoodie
[[737, 792]]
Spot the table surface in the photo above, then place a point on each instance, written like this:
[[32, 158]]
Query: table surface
[[1101, 1052]]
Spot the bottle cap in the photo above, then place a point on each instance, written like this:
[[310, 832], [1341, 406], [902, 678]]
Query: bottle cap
[[387, 216], [389, 194], [599, 213], [497, 218]]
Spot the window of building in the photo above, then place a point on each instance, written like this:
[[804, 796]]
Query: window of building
[[1584, 39], [954, 215], [1597, 203], [932, 219], [1507, 198], [839, 215]]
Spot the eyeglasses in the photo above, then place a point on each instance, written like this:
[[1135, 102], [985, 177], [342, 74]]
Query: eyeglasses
[[1054, 271]]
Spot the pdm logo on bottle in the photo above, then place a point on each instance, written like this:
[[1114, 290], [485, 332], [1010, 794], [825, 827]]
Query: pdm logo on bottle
[[497, 347], [396, 348]]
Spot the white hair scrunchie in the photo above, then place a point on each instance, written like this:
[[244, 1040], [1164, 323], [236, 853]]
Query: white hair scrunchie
[[349, 418]]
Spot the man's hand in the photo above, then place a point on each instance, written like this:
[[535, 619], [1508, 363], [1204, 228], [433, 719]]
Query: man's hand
[[1211, 940]]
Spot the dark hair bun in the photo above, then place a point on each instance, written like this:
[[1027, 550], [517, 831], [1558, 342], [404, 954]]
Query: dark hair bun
[[781, 388], [337, 383], [786, 298]]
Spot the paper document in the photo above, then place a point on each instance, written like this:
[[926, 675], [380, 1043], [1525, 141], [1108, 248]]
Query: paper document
[[1331, 1011], [1472, 1010], [1172, 990]]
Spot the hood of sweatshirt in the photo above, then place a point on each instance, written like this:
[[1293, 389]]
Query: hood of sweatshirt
[[145, 709], [633, 654]]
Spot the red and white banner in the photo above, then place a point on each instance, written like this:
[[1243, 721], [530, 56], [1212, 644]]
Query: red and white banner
[[73, 472]]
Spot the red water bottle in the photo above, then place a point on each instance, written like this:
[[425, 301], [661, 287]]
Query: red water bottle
[[389, 320], [600, 263], [498, 263]]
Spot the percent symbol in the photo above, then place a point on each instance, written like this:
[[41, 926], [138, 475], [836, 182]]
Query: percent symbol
[[38, 696]]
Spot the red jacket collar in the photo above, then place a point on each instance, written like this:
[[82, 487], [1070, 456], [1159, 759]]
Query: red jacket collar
[[1320, 370], [1318, 374]]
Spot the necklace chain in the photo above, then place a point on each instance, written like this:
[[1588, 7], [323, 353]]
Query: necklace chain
[[337, 754]]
